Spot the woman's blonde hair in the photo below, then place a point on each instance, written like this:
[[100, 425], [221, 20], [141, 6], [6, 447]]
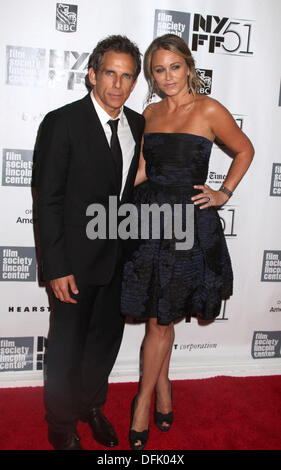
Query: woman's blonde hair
[[172, 43]]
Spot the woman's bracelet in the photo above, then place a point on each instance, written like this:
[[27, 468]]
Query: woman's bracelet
[[226, 191]]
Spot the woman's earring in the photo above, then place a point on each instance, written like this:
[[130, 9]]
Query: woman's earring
[[188, 84], [151, 92]]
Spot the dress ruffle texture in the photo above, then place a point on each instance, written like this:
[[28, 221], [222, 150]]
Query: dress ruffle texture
[[158, 280]]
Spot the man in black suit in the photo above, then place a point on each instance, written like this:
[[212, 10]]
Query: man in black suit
[[80, 160]]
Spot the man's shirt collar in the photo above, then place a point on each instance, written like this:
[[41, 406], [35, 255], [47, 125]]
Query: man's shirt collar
[[102, 114]]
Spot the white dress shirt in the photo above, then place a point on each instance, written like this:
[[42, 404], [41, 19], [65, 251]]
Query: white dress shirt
[[125, 136]]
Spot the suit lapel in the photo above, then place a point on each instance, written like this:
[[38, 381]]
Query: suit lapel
[[135, 160], [100, 149], [98, 142]]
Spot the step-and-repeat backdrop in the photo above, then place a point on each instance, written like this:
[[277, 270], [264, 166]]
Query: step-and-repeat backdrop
[[44, 49]]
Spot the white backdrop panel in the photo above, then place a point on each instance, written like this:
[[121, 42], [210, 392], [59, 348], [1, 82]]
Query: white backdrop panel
[[236, 45]]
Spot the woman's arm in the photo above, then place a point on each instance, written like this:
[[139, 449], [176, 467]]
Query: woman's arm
[[141, 174], [228, 132]]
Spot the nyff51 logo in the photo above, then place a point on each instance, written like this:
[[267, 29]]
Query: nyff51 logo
[[229, 36], [67, 69], [219, 34], [227, 218], [66, 17], [26, 66]]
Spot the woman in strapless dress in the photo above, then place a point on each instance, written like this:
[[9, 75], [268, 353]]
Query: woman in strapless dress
[[161, 283]]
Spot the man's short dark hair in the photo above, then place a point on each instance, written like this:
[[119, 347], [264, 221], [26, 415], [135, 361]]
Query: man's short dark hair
[[116, 43]]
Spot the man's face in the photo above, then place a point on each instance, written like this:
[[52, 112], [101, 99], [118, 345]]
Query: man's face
[[114, 81]]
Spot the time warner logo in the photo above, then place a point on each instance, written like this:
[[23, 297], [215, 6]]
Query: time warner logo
[[66, 18]]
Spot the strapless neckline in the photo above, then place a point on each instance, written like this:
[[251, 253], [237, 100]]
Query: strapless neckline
[[179, 133]]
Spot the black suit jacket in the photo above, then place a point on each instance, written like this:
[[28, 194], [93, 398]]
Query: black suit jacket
[[74, 167]]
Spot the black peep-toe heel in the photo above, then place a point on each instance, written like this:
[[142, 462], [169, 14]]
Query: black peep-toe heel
[[135, 436], [160, 418]]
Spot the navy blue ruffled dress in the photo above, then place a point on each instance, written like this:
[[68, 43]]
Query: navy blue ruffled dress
[[159, 280]]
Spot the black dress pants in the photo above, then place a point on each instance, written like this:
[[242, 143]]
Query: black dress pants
[[82, 347]]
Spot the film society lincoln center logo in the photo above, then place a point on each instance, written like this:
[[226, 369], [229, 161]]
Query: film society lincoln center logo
[[16, 354], [266, 344], [17, 264], [275, 188], [17, 167], [271, 267], [19, 354], [172, 22], [66, 17]]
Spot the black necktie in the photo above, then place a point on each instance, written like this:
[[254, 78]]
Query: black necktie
[[116, 150]]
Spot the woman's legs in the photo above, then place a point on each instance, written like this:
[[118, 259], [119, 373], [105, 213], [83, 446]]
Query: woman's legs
[[163, 386], [157, 349]]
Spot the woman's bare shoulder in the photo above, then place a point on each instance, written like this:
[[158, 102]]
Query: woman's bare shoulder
[[211, 105], [152, 108]]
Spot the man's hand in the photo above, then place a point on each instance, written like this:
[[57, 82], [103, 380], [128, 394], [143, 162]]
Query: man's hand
[[62, 286]]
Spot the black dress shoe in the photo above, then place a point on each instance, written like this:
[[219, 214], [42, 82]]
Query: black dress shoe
[[103, 431], [64, 441]]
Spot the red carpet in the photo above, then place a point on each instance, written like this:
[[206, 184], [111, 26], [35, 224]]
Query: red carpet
[[222, 413]]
